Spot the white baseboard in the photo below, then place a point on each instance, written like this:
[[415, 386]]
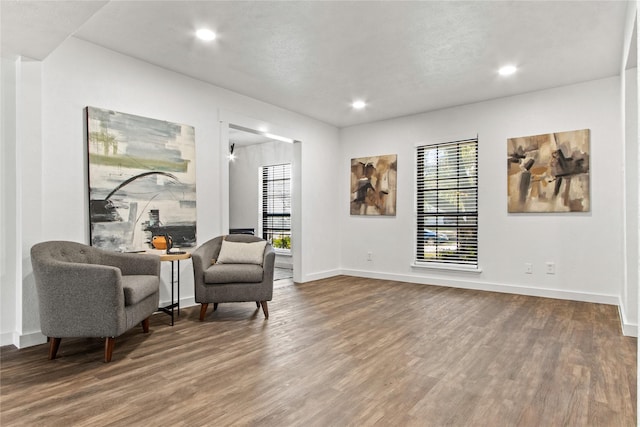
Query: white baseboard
[[320, 275], [29, 340], [22, 341], [488, 286], [628, 329]]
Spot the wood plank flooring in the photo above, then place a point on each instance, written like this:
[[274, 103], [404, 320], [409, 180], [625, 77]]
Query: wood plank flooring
[[341, 352]]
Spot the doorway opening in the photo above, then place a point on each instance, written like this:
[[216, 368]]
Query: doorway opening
[[260, 193]]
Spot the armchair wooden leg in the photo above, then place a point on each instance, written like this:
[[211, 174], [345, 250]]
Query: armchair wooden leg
[[145, 325], [265, 309], [54, 344], [215, 306], [109, 343], [203, 310], [258, 304]]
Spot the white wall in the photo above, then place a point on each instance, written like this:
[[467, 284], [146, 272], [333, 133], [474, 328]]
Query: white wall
[[629, 110], [8, 213], [586, 247], [629, 295], [79, 74], [29, 119], [21, 198]]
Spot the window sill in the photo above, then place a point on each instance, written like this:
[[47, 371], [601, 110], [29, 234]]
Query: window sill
[[283, 252], [436, 266]]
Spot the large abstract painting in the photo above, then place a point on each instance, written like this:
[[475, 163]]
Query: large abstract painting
[[142, 181], [373, 185], [549, 173]]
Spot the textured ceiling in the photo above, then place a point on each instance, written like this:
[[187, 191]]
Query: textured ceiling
[[316, 57], [33, 29]]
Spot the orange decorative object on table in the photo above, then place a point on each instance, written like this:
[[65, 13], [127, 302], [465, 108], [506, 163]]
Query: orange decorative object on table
[[159, 242]]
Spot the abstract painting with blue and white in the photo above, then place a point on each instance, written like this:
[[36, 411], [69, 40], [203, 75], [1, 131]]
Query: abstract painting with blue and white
[[142, 181]]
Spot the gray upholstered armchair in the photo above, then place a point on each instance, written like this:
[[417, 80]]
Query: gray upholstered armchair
[[233, 268], [89, 292]]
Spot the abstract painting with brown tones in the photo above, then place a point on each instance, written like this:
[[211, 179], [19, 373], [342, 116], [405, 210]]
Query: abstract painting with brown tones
[[549, 173], [373, 185]]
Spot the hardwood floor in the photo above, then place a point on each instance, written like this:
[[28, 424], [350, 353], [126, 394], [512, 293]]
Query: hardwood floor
[[342, 351]]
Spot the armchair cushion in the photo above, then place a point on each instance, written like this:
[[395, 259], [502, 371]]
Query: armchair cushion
[[137, 288], [233, 273], [242, 253]]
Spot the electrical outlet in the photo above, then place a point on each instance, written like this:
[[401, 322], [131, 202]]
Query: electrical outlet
[[369, 256], [528, 268], [551, 267]]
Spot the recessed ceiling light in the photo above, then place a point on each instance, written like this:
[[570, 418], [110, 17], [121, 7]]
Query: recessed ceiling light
[[359, 105], [205, 34], [507, 70]]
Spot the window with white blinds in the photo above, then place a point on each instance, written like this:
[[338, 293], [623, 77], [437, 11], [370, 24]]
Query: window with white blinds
[[447, 204], [275, 189]]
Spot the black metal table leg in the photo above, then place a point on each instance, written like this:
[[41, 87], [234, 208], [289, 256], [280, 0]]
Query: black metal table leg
[[178, 302], [172, 303], [169, 309]]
